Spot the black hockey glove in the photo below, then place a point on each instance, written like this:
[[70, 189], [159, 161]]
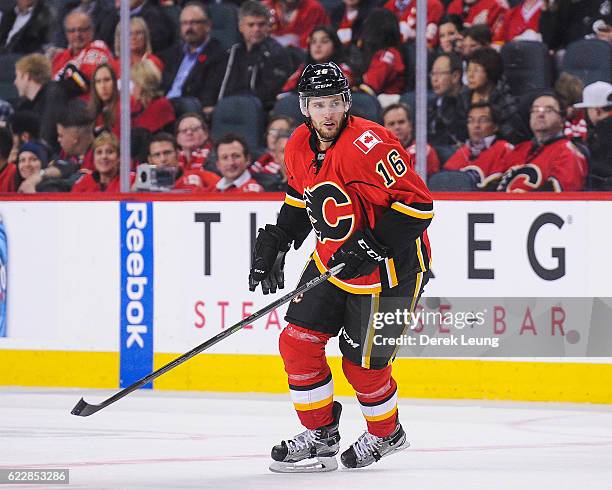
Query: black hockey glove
[[268, 262], [361, 255]]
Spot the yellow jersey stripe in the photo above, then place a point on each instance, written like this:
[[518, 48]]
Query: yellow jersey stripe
[[415, 213], [295, 202], [384, 416], [350, 288], [303, 407], [419, 252]]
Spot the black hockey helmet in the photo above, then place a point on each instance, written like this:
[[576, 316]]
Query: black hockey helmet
[[323, 80]]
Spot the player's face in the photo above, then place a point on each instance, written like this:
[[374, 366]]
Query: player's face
[[28, 164], [326, 115], [545, 115], [398, 123], [231, 160], [480, 125], [106, 159], [321, 47], [163, 154], [103, 82]]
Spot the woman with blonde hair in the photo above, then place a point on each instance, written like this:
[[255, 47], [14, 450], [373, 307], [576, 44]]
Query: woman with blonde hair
[[140, 43], [105, 177], [152, 110]]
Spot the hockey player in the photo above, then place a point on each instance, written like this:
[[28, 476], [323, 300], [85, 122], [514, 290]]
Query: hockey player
[[352, 182]]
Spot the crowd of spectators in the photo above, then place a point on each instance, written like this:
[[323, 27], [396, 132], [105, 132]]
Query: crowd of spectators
[[59, 132]]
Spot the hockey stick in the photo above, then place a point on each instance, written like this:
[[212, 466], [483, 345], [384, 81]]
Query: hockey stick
[[84, 409]]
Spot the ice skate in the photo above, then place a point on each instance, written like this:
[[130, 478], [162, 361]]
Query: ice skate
[[320, 446], [369, 448]]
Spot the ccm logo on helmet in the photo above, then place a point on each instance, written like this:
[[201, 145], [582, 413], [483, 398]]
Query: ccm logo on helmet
[[323, 85]]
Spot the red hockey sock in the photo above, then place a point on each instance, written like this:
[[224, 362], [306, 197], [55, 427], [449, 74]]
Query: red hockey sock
[[310, 380], [377, 395]]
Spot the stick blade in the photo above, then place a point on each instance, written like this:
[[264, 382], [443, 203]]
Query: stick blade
[[84, 409]]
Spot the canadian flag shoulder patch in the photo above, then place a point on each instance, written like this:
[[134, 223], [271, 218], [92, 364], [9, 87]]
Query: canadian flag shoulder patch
[[368, 140]]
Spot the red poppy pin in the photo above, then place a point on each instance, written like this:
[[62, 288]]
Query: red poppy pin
[[202, 58]]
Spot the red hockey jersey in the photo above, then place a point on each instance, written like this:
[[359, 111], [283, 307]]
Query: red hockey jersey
[[365, 179], [87, 60], [7, 177], [294, 29], [489, 164], [488, 12], [555, 166], [244, 183], [433, 162], [406, 17], [385, 75], [91, 183], [517, 20], [198, 157], [197, 181]]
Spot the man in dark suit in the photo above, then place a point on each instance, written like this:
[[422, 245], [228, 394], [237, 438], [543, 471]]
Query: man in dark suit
[[191, 65], [25, 28]]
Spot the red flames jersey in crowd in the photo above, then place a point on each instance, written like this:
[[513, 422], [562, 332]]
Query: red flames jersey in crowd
[[488, 12], [489, 164], [557, 166], [7, 177], [292, 81], [345, 28], [265, 164], [91, 183], [433, 162], [407, 19], [86, 161], [364, 178], [244, 183], [87, 60], [197, 180], [199, 156], [523, 17], [294, 29], [576, 128], [385, 75]]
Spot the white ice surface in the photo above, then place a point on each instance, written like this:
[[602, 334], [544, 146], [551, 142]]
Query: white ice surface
[[193, 440]]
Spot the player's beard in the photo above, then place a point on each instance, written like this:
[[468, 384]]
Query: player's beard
[[327, 134]]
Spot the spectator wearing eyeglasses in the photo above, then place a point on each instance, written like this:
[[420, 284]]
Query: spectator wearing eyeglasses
[[233, 158], [549, 162], [75, 65], [483, 153], [192, 65], [194, 141], [164, 154]]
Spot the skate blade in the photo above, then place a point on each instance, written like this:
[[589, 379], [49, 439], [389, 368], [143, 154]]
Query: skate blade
[[319, 465]]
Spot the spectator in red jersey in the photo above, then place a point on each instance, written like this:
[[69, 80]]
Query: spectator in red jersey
[[152, 110], [521, 23], [450, 35], [105, 178], [569, 89], [348, 17], [140, 44], [549, 162], [483, 153], [8, 170], [405, 11], [32, 159], [266, 163], [104, 100], [164, 154], [396, 118], [294, 20], [74, 66], [232, 161], [486, 84], [323, 46], [75, 138], [472, 12], [194, 140], [380, 42]]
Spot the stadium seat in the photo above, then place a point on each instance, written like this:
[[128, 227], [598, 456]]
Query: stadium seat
[[527, 66], [288, 106], [367, 106], [241, 114], [183, 105], [590, 60], [450, 181], [8, 91], [224, 18], [409, 98]]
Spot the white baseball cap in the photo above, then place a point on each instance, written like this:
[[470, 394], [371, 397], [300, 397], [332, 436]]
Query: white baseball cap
[[596, 95]]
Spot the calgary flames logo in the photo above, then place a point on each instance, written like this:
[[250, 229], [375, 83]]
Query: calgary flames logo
[[520, 179], [330, 211]]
